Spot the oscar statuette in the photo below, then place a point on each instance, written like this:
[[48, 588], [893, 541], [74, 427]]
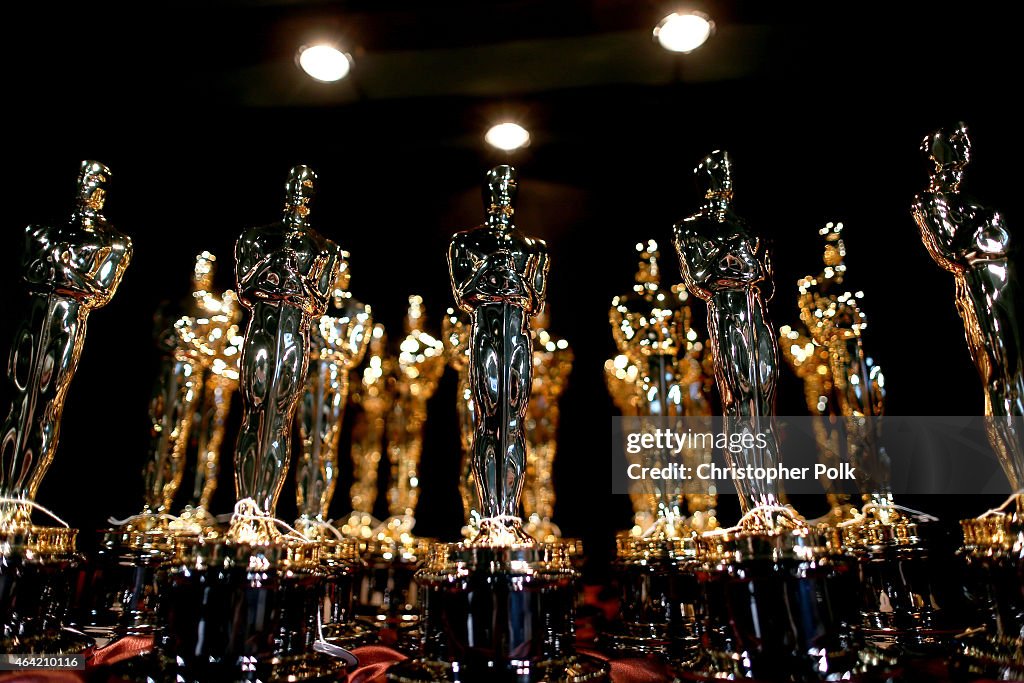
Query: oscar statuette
[[973, 242], [500, 606], [552, 363], [778, 592], [220, 339], [69, 270], [621, 378], [122, 591], [659, 603], [339, 339], [244, 605], [455, 336], [387, 592], [810, 361], [900, 606], [370, 399]]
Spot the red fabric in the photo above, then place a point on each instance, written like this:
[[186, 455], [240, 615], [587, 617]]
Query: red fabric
[[374, 661], [116, 651], [120, 649]]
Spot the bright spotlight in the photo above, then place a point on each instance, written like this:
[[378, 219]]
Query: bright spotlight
[[325, 62], [683, 32], [507, 136]]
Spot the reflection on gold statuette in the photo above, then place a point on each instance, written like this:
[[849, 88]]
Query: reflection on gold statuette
[[552, 363], [420, 364], [285, 273], [371, 397], [339, 340], [69, 270], [455, 335], [218, 336]]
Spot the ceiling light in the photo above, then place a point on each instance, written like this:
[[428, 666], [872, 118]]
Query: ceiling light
[[325, 62], [507, 136], [683, 32]]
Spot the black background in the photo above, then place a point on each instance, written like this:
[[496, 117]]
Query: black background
[[822, 113]]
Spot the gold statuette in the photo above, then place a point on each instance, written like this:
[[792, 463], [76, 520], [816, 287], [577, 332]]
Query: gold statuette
[[218, 336], [285, 273], [339, 343], [372, 399], [552, 363], [455, 334], [650, 326], [622, 377], [70, 270], [973, 243], [421, 362], [836, 322], [172, 407]]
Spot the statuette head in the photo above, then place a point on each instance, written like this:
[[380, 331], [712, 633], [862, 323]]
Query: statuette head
[[92, 180], [500, 191], [948, 150], [714, 175], [299, 189]]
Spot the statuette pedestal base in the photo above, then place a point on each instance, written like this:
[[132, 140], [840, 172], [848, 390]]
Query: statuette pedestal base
[[37, 571], [498, 614], [387, 597], [902, 605], [789, 596], [235, 611], [994, 554], [660, 602]]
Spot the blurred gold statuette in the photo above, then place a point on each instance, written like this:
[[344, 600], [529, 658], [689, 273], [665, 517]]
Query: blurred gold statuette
[[835, 322], [202, 342], [218, 320], [371, 398], [455, 336], [552, 363], [622, 377], [420, 364], [659, 374], [339, 341]]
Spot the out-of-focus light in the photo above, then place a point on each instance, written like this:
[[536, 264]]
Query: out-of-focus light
[[683, 32], [507, 136], [325, 62]]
